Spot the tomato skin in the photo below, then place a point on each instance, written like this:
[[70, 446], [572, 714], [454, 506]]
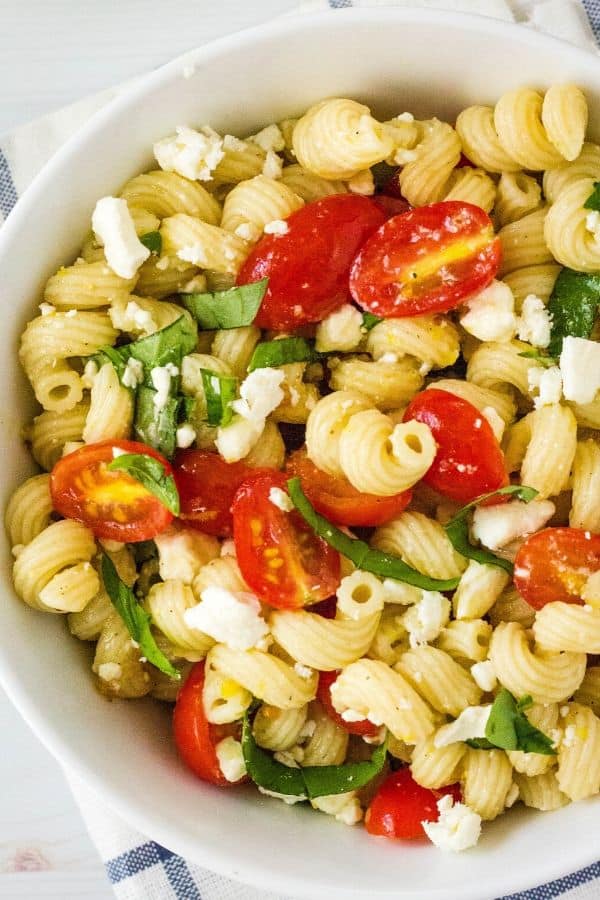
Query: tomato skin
[[308, 266], [469, 461], [280, 557], [554, 564], [336, 499], [364, 727], [195, 737], [428, 260], [113, 505], [400, 805], [207, 485]]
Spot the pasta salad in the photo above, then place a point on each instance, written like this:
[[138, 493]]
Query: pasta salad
[[320, 458]]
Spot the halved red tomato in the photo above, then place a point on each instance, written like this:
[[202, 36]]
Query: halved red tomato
[[428, 260], [114, 505], [308, 266], [336, 499], [401, 805], [195, 737], [554, 564], [364, 727], [280, 556], [469, 461]]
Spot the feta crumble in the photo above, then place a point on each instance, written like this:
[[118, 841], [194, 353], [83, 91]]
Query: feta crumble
[[46, 309], [185, 436], [425, 619], [231, 759], [133, 373], [137, 318], [114, 229], [490, 314], [277, 226], [470, 724], [236, 440], [362, 184], [89, 373], [303, 671], [580, 368], [260, 394], [495, 421], [344, 808], [592, 223], [535, 322], [484, 675], [109, 671], [548, 383], [497, 526], [280, 499], [230, 618], [273, 165], [248, 231], [161, 379], [182, 552], [269, 138], [458, 827], [289, 799], [193, 154], [340, 330]]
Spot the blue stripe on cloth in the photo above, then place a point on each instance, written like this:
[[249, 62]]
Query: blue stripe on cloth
[[592, 8], [150, 854], [555, 888], [8, 191]]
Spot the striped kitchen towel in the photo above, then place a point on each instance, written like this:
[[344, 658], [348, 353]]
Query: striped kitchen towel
[[139, 868]]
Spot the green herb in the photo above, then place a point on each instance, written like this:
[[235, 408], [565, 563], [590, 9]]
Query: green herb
[[458, 530], [370, 321], [573, 306], [156, 427], [169, 345], [384, 565], [270, 354], [153, 241], [117, 356], [593, 201], [541, 357], [311, 781], [226, 309], [151, 473], [382, 172], [186, 409], [509, 728], [220, 391], [135, 617]]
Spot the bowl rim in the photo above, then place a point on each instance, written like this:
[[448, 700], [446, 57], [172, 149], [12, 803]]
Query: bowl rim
[[510, 879]]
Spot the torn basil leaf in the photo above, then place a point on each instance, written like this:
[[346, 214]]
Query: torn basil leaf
[[508, 728], [169, 345], [135, 617], [219, 391], [541, 357], [153, 241], [117, 356], [370, 321], [573, 305], [458, 529], [226, 309], [593, 201], [384, 565], [151, 473], [270, 354], [153, 426]]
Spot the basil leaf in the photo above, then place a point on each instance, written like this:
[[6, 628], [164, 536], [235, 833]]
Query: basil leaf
[[270, 354], [220, 391], [117, 356], [370, 321], [154, 427], [479, 744], [153, 241], [311, 781], [151, 473], [593, 201], [457, 528], [509, 728], [169, 345], [135, 617], [573, 305], [384, 565], [226, 309], [186, 409], [541, 357]]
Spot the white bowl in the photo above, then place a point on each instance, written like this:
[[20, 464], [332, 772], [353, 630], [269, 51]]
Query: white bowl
[[429, 63]]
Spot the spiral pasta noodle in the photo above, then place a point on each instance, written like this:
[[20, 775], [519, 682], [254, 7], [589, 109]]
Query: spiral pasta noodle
[[486, 780], [422, 543], [257, 202], [265, 676], [578, 774], [111, 408], [86, 286], [430, 339], [565, 231], [204, 245], [387, 385], [166, 194], [278, 729], [540, 791], [525, 242], [323, 644], [435, 767], [51, 431], [551, 450], [585, 505], [326, 424], [558, 179], [545, 718], [424, 180], [28, 510], [117, 662], [518, 195], [566, 626], [309, 186], [441, 681]]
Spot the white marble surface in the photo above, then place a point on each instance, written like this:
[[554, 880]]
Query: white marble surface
[[51, 54]]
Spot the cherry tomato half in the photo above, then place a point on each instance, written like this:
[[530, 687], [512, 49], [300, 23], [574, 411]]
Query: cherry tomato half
[[280, 556], [207, 485], [195, 737], [326, 680], [400, 805], [114, 505], [427, 260], [336, 499], [308, 266], [554, 564], [469, 461]]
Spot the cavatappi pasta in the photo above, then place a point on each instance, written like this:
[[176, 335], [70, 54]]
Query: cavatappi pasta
[[363, 611]]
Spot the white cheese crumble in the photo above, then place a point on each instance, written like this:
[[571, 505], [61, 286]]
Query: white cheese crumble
[[470, 724], [458, 827], [363, 184], [425, 619], [161, 379], [405, 117], [236, 440], [89, 373], [260, 394], [231, 759], [232, 619], [580, 368], [389, 358], [303, 671], [340, 330], [273, 165], [133, 373], [109, 671], [116, 452], [277, 226], [230, 142], [115, 230], [592, 223], [495, 421], [248, 231], [490, 314], [344, 808], [548, 383], [350, 715], [185, 436], [484, 675], [280, 499], [535, 322], [137, 318], [182, 552], [289, 799], [269, 138], [570, 736], [193, 154], [195, 254], [46, 309], [497, 526]]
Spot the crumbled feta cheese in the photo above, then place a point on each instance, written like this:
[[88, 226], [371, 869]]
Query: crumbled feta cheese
[[350, 715], [280, 499], [260, 394], [512, 796], [137, 318], [47, 309], [405, 117], [470, 724], [303, 671], [89, 373], [277, 226], [117, 451], [232, 619], [591, 591], [193, 154], [231, 759], [580, 367], [290, 758], [548, 383], [495, 421], [340, 330], [133, 373], [425, 619], [564, 711], [389, 358], [497, 526], [236, 440], [289, 799], [161, 379], [363, 184], [270, 138], [115, 230], [195, 254], [344, 808], [484, 675], [535, 322], [570, 736], [273, 165], [109, 671], [182, 552], [458, 827], [490, 315], [230, 142], [185, 435], [592, 223], [248, 231]]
